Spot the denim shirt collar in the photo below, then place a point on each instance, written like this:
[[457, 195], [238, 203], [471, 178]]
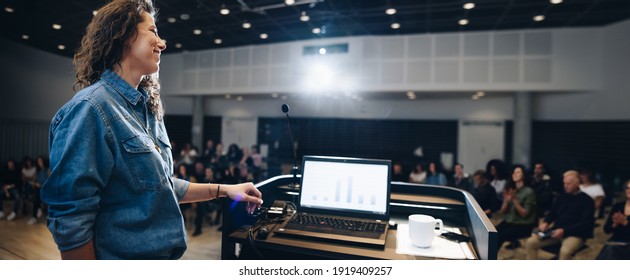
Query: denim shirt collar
[[123, 88]]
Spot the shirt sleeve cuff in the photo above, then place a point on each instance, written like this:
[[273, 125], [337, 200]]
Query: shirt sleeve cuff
[[181, 187]]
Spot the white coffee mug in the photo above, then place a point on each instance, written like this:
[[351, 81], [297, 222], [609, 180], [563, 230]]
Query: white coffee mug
[[422, 230]]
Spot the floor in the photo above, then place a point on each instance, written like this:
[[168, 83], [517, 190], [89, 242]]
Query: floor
[[20, 241]]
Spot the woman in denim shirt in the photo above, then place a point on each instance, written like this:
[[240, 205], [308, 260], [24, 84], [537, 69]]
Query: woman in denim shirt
[[111, 192]]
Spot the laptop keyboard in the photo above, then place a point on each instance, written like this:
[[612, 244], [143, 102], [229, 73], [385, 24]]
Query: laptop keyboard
[[336, 225]]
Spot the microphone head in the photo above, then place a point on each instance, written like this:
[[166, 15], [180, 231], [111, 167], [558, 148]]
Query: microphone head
[[285, 108]]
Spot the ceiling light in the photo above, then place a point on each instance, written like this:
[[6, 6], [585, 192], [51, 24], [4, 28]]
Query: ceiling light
[[411, 93], [317, 30], [274, 95], [61, 47], [539, 18], [475, 97], [178, 45], [247, 25], [289, 2], [224, 11], [9, 9], [469, 5], [390, 11], [395, 25], [184, 16], [463, 21], [218, 41], [304, 16], [171, 20], [239, 98], [480, 94], [264, 36], [94, 12], [56, 26], [197, 31], [25, 37], [555, 1], [322, 51]]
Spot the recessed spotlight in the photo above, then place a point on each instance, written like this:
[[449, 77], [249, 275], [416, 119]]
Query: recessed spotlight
[[411, 93], [539, 18], [289, 2], [480, 94], [395, 25], [390, 11], [322, 51], [247, 25], [555, 1], [56, 26], [95, 12], [9, 9], [239, 98], [264, 36], [463, 21], [171, 20], [304, 17], [317, 30], [274, 95], [184, 16], [178, 45], [218, 41], [61, 47], [224, 11], [469, 5], [25, 37], [197, 31]]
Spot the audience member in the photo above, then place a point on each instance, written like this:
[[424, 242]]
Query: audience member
[[484, 193], [460, 180], [201, 211], [618, 245], [188, 155], [234, 154], [42, 174], [541, 184], [569, 222], [208, 152], [198, 171], [418, 175], [435, 176], [518, 209], [594, 189], [397, 172], [10, 189], [497, 169]]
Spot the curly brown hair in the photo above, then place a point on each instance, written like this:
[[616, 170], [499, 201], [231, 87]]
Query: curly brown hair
[[106, 42]]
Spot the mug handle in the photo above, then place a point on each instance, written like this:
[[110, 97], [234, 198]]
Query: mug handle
[[439, 230]]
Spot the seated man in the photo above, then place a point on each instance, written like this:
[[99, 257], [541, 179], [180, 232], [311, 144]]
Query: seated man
[[572, 218]]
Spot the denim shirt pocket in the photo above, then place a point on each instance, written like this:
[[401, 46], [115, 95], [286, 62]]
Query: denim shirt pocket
[[144, 164]]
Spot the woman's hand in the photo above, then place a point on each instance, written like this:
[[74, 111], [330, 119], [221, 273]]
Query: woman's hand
[[245, 192]]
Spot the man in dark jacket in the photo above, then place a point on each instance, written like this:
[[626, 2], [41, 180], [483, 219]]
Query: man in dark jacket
[[569, 222]]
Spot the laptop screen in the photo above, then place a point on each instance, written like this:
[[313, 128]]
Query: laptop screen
[[348, 185]]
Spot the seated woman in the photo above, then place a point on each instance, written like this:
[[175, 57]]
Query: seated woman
[[519, 209], [618, 246]]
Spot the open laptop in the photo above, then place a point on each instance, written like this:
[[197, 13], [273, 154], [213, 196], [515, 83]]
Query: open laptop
[[342, 199]]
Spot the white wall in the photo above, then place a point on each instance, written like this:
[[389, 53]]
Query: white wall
[[610, 103], [35, 84]]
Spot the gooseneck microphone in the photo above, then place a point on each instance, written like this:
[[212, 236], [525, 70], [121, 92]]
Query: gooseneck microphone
[[294, 171]]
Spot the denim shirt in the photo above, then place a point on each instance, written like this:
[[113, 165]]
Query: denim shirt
[[108, 181]]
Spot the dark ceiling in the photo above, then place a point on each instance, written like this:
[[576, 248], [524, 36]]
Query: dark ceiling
[[30, 21]]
